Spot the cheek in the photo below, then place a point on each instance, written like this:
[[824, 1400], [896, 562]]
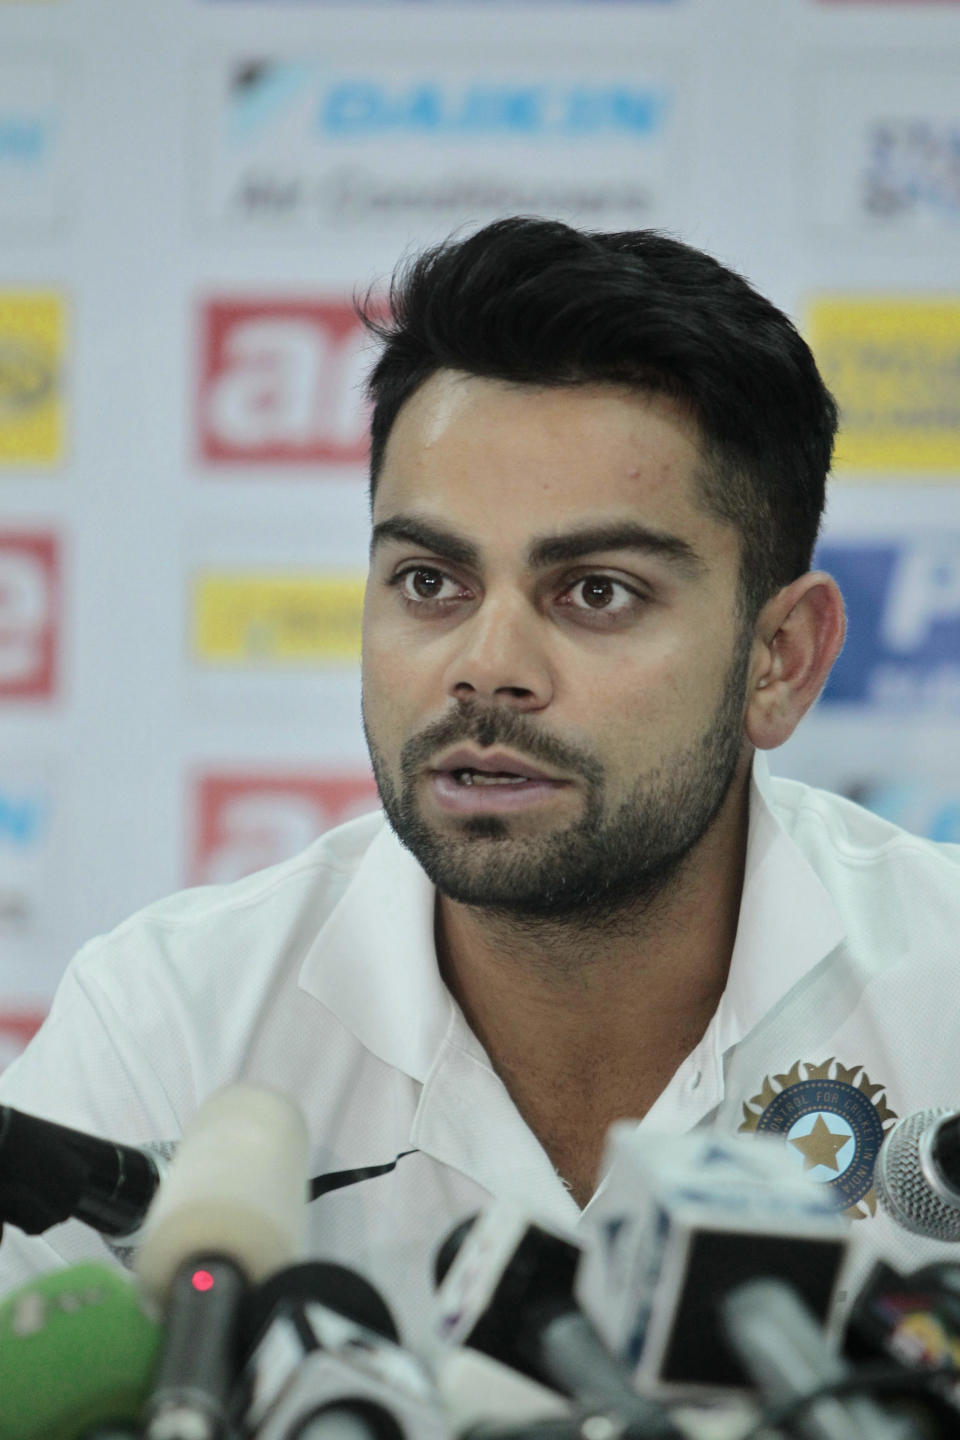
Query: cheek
[[393, 686], [647, 703]]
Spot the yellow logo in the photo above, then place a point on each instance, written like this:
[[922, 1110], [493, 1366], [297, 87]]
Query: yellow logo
[[894, 366], [283, 619], [31, 362], [834, 1118]]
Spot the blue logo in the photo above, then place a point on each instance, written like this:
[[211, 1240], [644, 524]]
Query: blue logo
[[372, 108], [903, 624], [362, 108], [25, 140], [23, 818]]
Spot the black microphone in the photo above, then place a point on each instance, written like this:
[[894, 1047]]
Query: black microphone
[[917, 1174], [50, 1173], [508, 1292], [325, 1363]]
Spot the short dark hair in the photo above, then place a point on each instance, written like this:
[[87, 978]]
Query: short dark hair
[[537, 302]]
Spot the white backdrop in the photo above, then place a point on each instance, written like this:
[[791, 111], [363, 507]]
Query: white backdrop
[[189, 194]]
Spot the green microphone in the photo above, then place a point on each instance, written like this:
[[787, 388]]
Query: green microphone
[[78, 1351]]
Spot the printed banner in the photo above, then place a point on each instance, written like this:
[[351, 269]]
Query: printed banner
[[294, 145], [262, 619], [246, 821], [903, 625], [883, 144], [31, 365], [282, 384], [893, 364], [29, 615]]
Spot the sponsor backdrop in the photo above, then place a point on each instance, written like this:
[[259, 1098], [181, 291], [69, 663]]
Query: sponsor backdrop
[[190, 195]]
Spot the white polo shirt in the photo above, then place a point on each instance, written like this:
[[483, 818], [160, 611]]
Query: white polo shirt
[[319, 977]]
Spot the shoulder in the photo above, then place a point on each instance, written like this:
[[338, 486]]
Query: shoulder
[[170, 1003], [226, 945], [312, 880]]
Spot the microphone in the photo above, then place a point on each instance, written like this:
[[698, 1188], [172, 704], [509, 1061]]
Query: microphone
[[231, 1210], [786, 1354], [680, 1220], [917, 1174], [327, 1364], [78, 1349], [50, 1173], [509, 1293]]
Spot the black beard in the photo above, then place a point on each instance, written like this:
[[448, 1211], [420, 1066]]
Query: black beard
[[601, 865]]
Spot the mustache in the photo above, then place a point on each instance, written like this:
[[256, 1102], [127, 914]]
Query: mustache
[[487, 727]]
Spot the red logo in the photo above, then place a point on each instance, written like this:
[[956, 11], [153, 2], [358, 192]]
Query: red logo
[[17, 1028], [29, 614], [245, 822], [282, 383]]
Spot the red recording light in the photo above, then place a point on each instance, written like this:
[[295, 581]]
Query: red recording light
[[201, 1280]]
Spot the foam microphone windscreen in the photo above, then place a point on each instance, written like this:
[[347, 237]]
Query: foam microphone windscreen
[[237, 1188]]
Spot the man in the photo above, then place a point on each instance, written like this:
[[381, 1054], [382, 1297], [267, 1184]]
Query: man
[[598, 467]]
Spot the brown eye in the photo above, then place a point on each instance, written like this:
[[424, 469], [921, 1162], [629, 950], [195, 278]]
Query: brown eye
[[597, 592], [604, 596], [426, 583]]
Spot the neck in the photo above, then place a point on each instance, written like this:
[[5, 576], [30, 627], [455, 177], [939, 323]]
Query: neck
[[593, 1014]]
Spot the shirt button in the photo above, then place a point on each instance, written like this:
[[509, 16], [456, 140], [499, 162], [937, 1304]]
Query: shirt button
[[694, 1082]]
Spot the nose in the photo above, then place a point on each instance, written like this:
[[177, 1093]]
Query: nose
[[500, 658]]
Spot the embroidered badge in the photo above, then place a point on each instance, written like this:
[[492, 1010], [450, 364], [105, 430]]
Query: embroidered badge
[[835, 1126]]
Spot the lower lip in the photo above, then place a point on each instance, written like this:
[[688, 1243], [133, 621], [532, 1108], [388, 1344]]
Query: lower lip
[[489, 799]]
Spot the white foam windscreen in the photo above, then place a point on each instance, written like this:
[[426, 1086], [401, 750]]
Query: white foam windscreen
[[237, 1187]]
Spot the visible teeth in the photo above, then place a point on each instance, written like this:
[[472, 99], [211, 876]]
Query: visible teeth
[[480, 777]]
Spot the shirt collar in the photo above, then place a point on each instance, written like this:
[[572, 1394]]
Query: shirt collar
[[788, 922], [373, 963]]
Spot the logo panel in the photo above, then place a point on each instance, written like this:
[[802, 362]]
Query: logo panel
[[243, 822], [893, 365], [276, 619], [292, 145], [883, 144], [282, 383], [903, 614], [29, 615], [31, 362]]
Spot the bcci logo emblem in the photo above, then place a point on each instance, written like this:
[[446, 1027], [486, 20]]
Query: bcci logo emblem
[[833, 1121]]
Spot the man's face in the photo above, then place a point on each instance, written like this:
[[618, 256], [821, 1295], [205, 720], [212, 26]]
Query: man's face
[[554, 670]]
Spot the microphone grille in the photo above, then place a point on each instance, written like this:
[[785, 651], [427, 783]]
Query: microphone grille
[[907, 1184]]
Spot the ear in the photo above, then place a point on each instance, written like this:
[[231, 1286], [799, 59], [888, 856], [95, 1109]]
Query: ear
[[798, 635]]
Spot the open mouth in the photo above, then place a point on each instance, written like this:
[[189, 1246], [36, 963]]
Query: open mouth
[[486, 777]]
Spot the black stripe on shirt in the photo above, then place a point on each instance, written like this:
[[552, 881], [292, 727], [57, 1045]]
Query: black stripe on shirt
[[323, 1184]]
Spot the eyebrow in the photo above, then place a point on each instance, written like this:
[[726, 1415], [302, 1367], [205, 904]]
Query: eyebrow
[[629, 535], [550, 550]]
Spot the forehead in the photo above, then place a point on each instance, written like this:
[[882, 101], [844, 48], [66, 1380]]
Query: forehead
[[464, 449]]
